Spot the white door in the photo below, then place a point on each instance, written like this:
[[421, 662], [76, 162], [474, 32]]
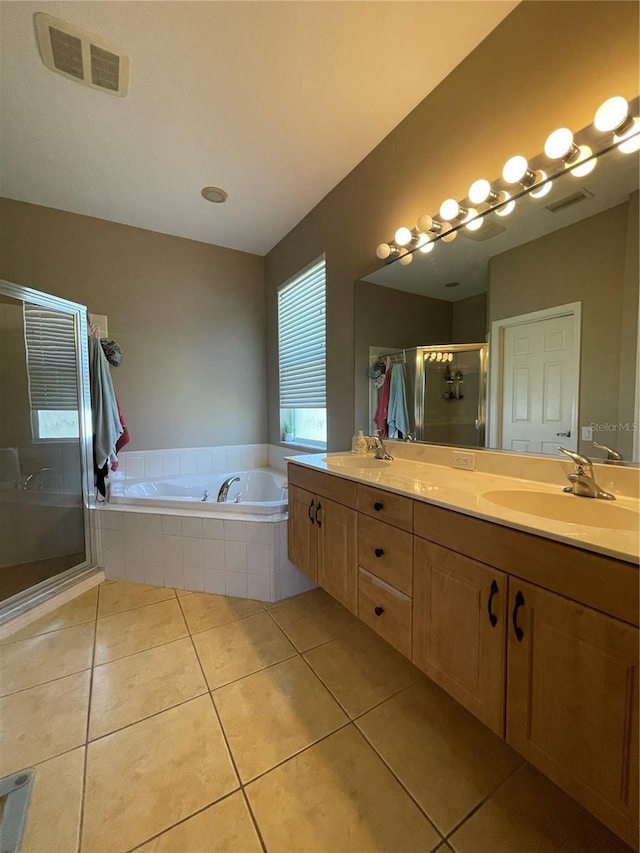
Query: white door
[[540, 386]]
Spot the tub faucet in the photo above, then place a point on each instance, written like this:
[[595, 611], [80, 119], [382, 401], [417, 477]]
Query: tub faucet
[[582, 482], [224, 489]]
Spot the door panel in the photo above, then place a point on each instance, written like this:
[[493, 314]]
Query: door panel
[[337, 557], [302, 530]]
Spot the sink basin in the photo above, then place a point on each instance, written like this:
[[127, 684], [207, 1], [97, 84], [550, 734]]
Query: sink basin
[[589, 512], [354, 462]]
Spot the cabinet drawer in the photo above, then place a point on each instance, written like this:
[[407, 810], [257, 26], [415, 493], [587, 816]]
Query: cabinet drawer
[[328, 485], [385, 610], [386, 506], [386, 552]]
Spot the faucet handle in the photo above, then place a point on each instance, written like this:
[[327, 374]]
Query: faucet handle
[[612, 454], [580, 460]]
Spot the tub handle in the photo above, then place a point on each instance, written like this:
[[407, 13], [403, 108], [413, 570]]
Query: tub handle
[[310, 512]]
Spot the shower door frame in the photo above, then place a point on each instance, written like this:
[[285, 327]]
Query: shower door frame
[[41, 592]]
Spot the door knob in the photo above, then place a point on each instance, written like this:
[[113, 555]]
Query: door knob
[[567, 433]]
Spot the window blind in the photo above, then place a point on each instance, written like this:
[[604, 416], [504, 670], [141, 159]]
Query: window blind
[[50, 342], [302, 340]]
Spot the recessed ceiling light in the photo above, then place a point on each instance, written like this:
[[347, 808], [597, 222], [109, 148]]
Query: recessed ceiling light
[[214, 194]]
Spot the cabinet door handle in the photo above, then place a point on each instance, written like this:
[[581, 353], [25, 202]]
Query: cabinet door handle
[[378, 506], [378, 610], [318, 510], [493, 590], [310, 512], [378, 552], [516, 628]]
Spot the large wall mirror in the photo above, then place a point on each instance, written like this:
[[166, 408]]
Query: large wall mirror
[[552, 289]]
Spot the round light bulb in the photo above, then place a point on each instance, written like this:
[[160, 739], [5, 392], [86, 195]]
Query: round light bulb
[[558, 143], [406, 259], [424, 223], [402, 237], [449, 209], [427, 247], [543, 189], [584, 168], [631, 139], [448, 235], [611, 114], [508, 208], [383, 251], [450, 356], [514, 169], [475, 223], [479, 191]]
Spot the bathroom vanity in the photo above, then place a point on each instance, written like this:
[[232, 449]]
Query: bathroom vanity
[[528, 621]]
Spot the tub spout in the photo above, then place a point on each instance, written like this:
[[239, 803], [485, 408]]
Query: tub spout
[[224, 489]]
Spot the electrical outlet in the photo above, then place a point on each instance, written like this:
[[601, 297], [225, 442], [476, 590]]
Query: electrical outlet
[[587, 433], [466, 461]]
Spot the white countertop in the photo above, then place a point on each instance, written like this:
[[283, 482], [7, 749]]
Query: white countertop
[[463, 491]]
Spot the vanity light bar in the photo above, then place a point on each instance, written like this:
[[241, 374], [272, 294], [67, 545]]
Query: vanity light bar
[[612, 117]]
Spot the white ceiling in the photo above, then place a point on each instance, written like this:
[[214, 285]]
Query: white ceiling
[[273, 101]]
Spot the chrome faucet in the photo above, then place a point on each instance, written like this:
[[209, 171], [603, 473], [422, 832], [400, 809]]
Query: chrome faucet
[[582, 482], [224, 489], [377, 445], [613, 456]]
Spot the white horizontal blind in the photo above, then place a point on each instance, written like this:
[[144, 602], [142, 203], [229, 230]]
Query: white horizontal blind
[[302, 340], [51, 358]]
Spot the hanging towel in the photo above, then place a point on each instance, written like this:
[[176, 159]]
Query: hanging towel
[[398, 417], [380, 417], [107, 427], [124, 439]]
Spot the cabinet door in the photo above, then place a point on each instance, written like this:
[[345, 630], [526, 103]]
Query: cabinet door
[[572, 701], [459, 629], [302, 530], [337, 561]]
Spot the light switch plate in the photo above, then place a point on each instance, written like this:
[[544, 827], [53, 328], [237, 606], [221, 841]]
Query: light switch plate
[[466, 461], [587, 433]]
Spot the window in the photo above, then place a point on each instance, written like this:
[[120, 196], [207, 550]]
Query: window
[[50, 342], [302, 356]]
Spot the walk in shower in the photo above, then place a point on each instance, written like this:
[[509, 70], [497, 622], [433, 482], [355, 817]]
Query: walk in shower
[[45, 447]]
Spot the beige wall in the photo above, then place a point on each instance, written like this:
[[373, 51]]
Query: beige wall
[[190, 319], [469, 321], [628, 403], [549, 64]]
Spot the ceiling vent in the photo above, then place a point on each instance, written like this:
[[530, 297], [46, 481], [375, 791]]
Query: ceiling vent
[[81, 56], [569, 200]]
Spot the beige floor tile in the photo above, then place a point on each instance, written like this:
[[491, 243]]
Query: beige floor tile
[[81, 609], [531, 815], [203, 610], [131, 688], [143, 779], [239, 648], [338, 796], [312, 618], [273, 714], [445, 757], [121, 596], [45, 657], [361, 670], [44, 721], [53, 818], [135, 630], [182, 592], [226, 826]]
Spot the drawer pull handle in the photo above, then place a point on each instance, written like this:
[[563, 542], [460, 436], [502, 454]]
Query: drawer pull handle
[[378, 552], [493, 590], [310, 512], [378, 506], [378, 610], [318, 511], [516, 628]]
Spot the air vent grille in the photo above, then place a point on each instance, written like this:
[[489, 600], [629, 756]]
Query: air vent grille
[[80, 55], [568, 201]]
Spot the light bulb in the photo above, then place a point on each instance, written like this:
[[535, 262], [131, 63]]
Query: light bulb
[[508, 208], [558, 143], [631, 139], [515, 169], [475, 223], [543, 189], [611, 114], [383, 251], [406, 259], [587, 167], [479, 191], [427, 247], [449, 209], [448, 235], [403, 237], [424, 223], [450, 357]]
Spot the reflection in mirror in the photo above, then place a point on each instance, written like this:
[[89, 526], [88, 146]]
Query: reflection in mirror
[[553, 288]]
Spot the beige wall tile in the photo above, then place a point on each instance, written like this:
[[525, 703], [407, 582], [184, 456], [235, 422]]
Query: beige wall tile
[[135, 630], [44, 721], [338, 796], [81, 609], [131, 688], [312, 618], [145, 778], [120, 596], [273, 714], [203, 610]]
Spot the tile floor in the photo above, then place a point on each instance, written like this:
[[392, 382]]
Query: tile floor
[[160, 720]]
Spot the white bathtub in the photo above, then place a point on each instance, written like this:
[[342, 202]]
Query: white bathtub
[[258, 492]]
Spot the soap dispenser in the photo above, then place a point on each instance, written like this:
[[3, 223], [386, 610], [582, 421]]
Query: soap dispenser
[[361, 443]]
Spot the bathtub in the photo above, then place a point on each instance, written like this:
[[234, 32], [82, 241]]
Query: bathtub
[[258, 492]]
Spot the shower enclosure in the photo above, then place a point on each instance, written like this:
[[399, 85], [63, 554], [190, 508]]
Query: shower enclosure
[[45, 447]]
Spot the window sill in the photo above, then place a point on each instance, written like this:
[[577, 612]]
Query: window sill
[[298, 445]]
